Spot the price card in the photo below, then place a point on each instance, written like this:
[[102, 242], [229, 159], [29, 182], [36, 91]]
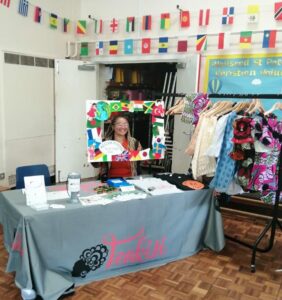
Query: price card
[[35, 192]]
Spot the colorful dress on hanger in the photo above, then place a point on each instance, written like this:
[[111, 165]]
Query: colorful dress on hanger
[[225, 168], [268, 134]]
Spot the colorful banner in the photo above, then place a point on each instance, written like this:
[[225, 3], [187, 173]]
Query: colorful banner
[[245, 74], [99, 111]]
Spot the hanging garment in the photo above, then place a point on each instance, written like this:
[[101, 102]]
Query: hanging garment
[[243, 151], [187, 114], [214, 148], [199, 103], [268, 132], [201, 163], [225, 168]]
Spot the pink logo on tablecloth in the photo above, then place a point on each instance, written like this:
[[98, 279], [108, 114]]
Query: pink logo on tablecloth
[[141, 249], [17, 243]]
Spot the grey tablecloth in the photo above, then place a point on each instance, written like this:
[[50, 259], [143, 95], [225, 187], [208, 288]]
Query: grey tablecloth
[[50, 250]]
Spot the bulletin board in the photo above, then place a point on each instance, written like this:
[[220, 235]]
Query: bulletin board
[[100, 111], [244, 74]]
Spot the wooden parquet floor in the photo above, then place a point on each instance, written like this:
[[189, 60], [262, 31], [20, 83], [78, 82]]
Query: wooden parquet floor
[[207, 275]]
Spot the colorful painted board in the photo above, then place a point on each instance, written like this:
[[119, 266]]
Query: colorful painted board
[[100, 111]]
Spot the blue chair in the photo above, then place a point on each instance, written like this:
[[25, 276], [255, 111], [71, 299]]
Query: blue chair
[[31, 170]]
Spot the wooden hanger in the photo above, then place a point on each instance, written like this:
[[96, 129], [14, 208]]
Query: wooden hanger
[[177, 108], [252, 105], [277, 105], [258, 106], [217, 109]]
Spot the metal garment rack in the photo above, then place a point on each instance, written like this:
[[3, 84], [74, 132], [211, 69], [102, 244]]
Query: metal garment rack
[[273, 222]]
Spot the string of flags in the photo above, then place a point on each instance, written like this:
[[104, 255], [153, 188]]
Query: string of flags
[[178, 44], [145, 23]]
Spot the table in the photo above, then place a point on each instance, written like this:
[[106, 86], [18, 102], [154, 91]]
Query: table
[[53, 249]]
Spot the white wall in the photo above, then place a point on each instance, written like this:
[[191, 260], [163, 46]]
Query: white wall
[[27, 93]]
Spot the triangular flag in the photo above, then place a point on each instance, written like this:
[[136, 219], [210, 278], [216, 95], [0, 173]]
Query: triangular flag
[[146, 46], [66, 25], [278, 11], [165, 21], [84, 49], [81, 27], [23, 8], [228, 15], [128, 46], [182, 46], [37, 14], [204, 17], [269, 39], [98, 26], [114, 25], [53, 21], [130, 24], [245, 39], [5, 2], [113, 47], [223, 40], [201, 42], [99, 48], [163, 44], [253, 14], [184, 18], [147, 23]]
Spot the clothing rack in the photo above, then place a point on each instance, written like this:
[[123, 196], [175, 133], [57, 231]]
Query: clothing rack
[[273, 222]]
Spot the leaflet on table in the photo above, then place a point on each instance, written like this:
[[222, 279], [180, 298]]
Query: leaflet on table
[[155, 186], [109, 198], [35, 192]]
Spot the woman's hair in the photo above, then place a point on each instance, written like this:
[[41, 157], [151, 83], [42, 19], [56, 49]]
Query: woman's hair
[[110, 131]]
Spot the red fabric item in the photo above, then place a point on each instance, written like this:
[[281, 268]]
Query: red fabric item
[[120, 168]]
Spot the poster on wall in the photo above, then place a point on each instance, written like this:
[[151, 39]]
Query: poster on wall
[[100, 145], [244, 74]]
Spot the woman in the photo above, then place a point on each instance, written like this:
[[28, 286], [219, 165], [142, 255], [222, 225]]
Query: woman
[[120, 132]]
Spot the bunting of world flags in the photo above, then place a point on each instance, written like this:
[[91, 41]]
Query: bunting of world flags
[[131, 24]]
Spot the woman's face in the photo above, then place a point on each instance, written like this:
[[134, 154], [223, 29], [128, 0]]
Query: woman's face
[[121, 126]]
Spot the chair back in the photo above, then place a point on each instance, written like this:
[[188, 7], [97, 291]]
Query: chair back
[[31, 170]]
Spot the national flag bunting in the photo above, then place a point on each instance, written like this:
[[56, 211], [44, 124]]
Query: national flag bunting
[[278, 11], [98, 26], [201, 42], [223, 40], [23, 8], [163, 44], [53, 21], [5, 2], [37, 14], [66, 25], [269, 39], [99, 48], [84, 50], [147, 23], [115, 106], [182, 46], [81, 27], [228, 15], [130, 24], [245, 39], [113, 47], [184, 18], [165, 21], [138, 105], [146, 46], [114, 25], [204, 17], [253, 14], [128, 46]]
